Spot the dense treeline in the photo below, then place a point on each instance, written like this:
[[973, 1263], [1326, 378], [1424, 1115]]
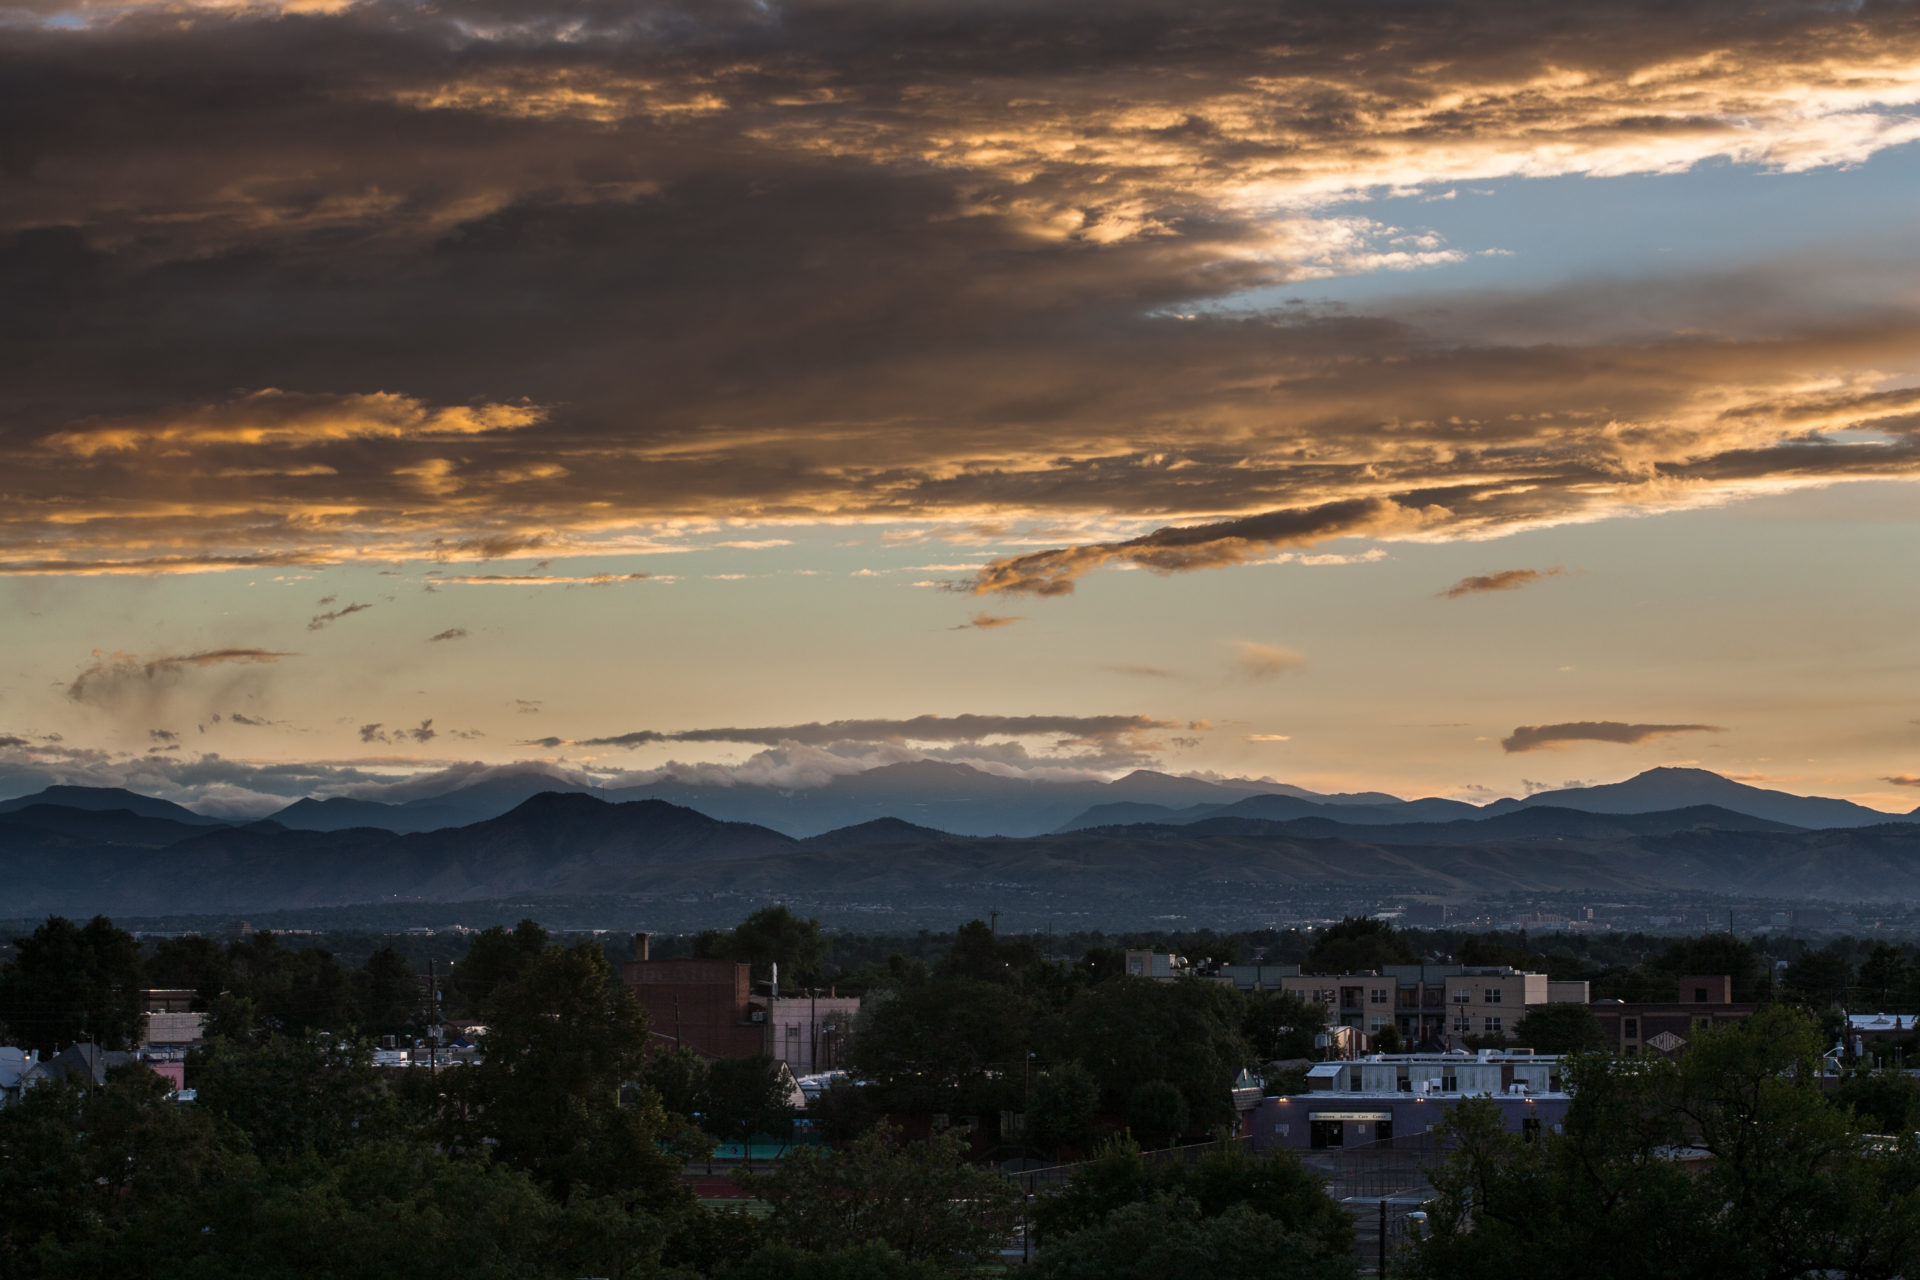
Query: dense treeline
[[561, 1153], [1734, 1160]]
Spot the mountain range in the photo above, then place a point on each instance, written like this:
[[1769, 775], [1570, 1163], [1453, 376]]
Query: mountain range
[[72, 854], [962, 800]]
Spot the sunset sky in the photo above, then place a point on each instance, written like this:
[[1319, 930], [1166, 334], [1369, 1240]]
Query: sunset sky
[[1446, 399]]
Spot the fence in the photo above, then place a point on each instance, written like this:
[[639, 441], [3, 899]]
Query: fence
[[1378, 1170]]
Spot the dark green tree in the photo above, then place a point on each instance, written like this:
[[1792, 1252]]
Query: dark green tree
[[1281, 1025], [771, 935], [1157, 1113], [296, 1095], [1560, 1028], [1357, 945], [1060, 1113], [679, 1077], [1882, 1102], [921, 1199], [495, 956], [1710, 954], [387, 995], [69, 983], [76, 1162], [1232, 1213], [746, 1096], [1883, 974], [1168, 1238], [1130, 1031], [1820, 978], [191, 961], [1784, 1185], [870, 1261], [562, 1040]]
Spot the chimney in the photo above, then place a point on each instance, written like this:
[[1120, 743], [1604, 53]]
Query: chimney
[[640, 945]]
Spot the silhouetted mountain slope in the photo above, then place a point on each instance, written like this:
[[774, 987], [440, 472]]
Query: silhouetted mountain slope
[[1671, 788], [51, 859], [551, 843], [881, 831], [110, 798], [104, 826], [1522, 824]]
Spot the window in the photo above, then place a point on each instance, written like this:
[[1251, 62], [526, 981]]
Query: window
[[1493, 1026], [1632, 1029], [1493, 995], [1353, 1080], [1378, 995], [1699, 995], [1463, 1025], [1461, 995], [1449, 1084]]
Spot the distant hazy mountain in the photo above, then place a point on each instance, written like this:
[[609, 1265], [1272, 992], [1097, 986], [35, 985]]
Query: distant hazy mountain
[[1655, 791], [109, 798], [931, 793], [78, 862], [948, 797], [457, 808], [1279, 808], [1658, 789]]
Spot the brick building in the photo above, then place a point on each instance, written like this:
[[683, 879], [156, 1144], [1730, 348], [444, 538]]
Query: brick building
[[706, 1005], [1666, 1029]]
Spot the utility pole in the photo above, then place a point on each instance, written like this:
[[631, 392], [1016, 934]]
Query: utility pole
[[433, 1020], [1382, 1269], [993, 921]]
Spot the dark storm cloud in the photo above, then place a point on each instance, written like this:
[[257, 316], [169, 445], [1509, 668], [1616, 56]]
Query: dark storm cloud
[[1504, 580], [1529, 737], [471, 281]]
